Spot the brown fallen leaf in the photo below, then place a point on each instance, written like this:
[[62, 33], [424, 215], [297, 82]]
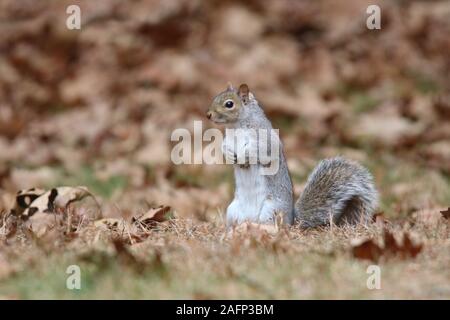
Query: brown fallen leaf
[[446, 213], [56, 198], [378, 217], [409, 248], [369, 249], [405, 249], [390, 244], [152, 217], [366, 249], [24, 198]]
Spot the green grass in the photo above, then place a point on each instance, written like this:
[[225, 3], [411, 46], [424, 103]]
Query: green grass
[[86, 177], [363, 102], [195, 176], [423, 83]]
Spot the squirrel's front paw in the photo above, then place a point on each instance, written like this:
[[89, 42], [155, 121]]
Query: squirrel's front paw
[[230, 156]]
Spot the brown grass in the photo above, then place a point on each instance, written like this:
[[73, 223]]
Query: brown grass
[[182, 258]]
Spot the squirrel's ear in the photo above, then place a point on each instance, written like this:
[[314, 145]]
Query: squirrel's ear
[[244, 93], [229, 86]]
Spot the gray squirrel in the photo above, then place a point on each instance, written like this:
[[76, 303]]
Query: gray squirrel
[[338, 190]]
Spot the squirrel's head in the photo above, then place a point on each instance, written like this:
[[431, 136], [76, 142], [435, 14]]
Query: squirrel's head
[[227, 105]]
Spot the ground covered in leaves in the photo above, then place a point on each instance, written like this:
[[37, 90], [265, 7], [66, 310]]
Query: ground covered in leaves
[[96, 108], [181, 258]]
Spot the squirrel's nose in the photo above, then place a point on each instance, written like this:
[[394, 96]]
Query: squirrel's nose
[[209, 114]]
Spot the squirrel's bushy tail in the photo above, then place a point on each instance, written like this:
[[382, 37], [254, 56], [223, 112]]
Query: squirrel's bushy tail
[[337, 190]]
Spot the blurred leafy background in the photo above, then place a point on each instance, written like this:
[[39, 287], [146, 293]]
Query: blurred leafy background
[[96, 106]]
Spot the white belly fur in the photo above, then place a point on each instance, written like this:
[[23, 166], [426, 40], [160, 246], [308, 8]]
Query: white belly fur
[[250, 196]]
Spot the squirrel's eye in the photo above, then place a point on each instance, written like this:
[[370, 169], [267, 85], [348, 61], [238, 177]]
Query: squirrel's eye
[[229, 104]]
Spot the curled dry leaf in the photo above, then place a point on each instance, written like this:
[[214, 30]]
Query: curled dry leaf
[[369, 249], [378, 217], [56, 198], [152, 217], [446, 213], [24, 198], [37, 208]]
